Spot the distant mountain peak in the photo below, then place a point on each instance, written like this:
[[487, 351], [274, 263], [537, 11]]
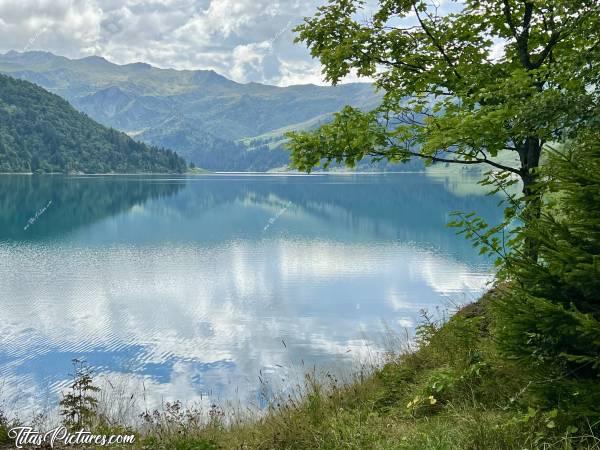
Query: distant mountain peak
[[140, 65], [210, 76], [95, 58]]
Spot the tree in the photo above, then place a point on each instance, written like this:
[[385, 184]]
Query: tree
[[78, 406], [460, 87], [35, 163], [549, 319]]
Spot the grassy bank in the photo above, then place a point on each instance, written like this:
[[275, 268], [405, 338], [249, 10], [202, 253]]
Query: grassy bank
[[453, 391]]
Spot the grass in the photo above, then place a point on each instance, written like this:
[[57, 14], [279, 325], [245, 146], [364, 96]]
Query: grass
[[451, 389]]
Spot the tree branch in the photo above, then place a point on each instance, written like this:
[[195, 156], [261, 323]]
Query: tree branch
[[554, 38], [509, 19], [413, 68], [436, 42], [522, 38], [527, 19], [406, 152]]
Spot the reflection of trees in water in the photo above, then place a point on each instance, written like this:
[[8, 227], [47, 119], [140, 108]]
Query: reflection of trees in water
[[408, 207], [76, 201]]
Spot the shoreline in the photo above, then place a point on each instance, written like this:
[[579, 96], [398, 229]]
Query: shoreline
[[191, 174]]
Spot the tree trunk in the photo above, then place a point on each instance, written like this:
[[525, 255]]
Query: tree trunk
[[529, 153]]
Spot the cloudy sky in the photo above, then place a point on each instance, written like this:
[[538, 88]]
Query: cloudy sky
[[246, 40]]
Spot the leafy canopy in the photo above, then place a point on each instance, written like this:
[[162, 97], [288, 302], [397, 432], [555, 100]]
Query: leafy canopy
[[458, 86]]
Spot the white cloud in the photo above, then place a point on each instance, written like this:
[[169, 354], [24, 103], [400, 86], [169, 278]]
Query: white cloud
[[300, 72], [248, 60], [69, 26], [246, 40], [498, 49]]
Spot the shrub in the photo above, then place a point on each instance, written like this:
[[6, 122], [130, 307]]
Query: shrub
[[4, 427], [549, 319], [79, 404]]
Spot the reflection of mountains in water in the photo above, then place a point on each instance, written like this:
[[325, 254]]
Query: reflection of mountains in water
[[364, 208], [401, 207], [75, 202]]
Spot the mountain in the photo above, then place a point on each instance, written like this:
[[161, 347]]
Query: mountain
[[41, 132], [210, 120]]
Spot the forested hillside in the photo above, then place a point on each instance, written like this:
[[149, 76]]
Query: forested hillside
[[41, 132], [207, 118]]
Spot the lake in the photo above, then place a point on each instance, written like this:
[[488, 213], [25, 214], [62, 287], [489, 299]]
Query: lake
[[196, 286]]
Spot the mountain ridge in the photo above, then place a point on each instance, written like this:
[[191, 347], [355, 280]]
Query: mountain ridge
[[182, 109]]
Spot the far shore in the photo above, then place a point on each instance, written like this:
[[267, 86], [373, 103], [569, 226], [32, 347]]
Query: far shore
[[290, 173]]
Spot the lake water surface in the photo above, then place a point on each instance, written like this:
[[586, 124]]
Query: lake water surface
[[197, 285]]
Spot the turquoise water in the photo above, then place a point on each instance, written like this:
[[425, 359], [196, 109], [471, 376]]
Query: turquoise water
[[195, 286]]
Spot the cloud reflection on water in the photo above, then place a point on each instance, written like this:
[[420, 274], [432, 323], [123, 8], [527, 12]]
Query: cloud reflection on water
[[185, 292]]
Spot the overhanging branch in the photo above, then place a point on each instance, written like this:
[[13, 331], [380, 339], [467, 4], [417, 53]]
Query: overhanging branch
[[475, 160]]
